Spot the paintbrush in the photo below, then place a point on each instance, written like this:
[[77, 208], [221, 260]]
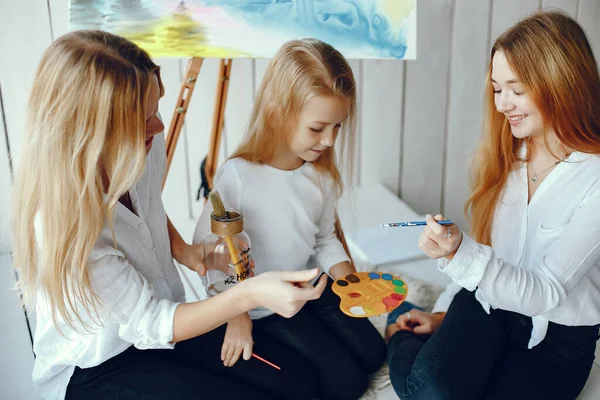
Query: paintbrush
[[220, 214], [266, 362]]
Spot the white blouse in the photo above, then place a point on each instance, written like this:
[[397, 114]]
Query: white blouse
[[288, 215], [545, 260], [137, 283]]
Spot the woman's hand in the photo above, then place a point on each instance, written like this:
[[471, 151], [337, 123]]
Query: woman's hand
[[420, 322], [237, 341], [284, 293], [439, 241]]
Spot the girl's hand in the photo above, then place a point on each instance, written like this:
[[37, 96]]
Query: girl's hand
[[284, 293], [237, 341], [222, 262], [191, 256], [341, 270], [420, 322], [439, 241]]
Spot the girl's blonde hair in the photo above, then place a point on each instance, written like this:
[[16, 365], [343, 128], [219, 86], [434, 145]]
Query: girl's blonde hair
[[300, 70], [84, 147], [552, 57]]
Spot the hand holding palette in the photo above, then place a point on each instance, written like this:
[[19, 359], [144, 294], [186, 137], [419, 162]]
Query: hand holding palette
[[367, 294]]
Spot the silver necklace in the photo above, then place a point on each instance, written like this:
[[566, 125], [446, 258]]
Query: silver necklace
[[534, 176]]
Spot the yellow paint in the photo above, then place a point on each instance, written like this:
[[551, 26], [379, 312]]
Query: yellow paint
[[177, 36], [396, 11]]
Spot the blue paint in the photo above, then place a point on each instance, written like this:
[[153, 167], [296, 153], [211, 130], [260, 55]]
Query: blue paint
[[387, 277], [373, 275], [347, 23]]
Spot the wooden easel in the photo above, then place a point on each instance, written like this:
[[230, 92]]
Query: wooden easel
[[182, 105]]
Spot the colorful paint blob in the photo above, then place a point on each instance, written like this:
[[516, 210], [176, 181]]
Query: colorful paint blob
[[366, 294], [358, 311], [400, 289]]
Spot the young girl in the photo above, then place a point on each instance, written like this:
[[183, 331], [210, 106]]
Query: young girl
[[94, 248], [529, 331], [285, 180]]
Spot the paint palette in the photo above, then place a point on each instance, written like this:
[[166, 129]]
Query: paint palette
[[367, 294]]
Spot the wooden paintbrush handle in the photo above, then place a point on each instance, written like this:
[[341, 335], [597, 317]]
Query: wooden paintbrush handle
[[235, 259]]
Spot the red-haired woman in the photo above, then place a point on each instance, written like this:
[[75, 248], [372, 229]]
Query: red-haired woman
[[524, 320]]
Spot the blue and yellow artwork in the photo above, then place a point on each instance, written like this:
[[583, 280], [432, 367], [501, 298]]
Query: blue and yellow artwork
[[254, 28]]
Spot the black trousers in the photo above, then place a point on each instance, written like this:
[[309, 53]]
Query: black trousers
[[342, 350], [322, 354], [475, 355]]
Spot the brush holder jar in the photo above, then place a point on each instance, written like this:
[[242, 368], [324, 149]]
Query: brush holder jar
[[227, 255]]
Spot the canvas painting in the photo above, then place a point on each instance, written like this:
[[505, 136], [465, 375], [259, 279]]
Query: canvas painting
[[254, 28]]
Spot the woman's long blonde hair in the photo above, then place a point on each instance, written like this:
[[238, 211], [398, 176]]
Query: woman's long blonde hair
[[83, 149], [300, 70], [552, 57]]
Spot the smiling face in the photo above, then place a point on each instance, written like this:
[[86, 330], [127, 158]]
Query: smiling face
[[318, 125], [512, 100]]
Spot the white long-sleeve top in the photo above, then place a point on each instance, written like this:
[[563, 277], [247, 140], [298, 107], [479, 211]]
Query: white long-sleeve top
[[137, 283], [288, 215], [545, 260]]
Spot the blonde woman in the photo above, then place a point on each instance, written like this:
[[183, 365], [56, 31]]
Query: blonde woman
[[526, 323], [285, 178], [94, 248]]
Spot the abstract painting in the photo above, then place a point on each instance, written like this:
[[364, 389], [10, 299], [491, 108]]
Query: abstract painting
[[254, 28]]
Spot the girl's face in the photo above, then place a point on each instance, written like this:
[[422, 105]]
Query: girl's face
[[154, 125], [318, 125], [512, 100]]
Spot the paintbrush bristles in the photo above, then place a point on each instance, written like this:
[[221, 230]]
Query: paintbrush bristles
[[217, 204]]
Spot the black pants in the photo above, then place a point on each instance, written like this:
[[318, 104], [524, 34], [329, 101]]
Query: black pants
[[322, 353], [475, 355], [194, 370], [342, 350]]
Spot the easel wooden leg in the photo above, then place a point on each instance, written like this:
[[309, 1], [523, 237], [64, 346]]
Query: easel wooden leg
[[181, 107], [218, 121]]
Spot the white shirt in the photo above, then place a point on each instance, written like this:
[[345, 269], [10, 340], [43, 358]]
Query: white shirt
[[137, 283], [288, 215], [545, 260]]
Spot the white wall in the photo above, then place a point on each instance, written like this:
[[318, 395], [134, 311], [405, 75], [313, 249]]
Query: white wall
[[5, 184], [16, 361], [418, 120]]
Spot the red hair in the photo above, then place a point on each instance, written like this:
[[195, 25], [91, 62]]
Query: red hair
[[552, 57]]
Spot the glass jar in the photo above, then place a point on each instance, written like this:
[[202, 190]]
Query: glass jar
[[227, 255]]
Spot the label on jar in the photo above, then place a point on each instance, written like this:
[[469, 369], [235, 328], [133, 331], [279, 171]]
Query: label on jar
[[247, 264]]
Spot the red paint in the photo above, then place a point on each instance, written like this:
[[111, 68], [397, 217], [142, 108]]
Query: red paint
[[354, 295], [390, 302], [397, 296]]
